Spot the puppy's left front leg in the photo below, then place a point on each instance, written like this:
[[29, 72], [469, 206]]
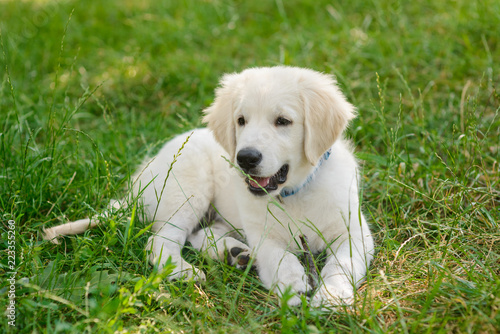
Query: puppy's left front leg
[[344, 270], [280, 269]]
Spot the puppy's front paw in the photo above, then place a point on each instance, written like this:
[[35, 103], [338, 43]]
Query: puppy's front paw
[[296, 299], [183, 270], [186, 272], [329, 295], [297, 285]]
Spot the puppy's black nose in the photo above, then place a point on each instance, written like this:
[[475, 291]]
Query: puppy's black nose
[[249, 158]]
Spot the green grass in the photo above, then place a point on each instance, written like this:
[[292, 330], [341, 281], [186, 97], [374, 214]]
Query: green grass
[[88, 88]]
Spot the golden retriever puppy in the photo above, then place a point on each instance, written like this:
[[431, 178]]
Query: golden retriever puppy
[[273, 164]]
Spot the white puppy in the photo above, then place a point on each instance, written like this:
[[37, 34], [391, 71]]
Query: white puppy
[[288, 182]]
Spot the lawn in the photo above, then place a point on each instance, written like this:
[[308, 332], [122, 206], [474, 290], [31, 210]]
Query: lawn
[[89, 88]]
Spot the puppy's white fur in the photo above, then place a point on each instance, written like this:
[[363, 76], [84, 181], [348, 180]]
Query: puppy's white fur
[[325, 209]]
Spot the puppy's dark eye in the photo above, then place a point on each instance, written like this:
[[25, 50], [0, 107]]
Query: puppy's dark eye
[[241, 121], [281, 121]]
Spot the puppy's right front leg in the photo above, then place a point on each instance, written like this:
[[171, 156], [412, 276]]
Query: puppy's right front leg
[[279, 269], [167, 243]]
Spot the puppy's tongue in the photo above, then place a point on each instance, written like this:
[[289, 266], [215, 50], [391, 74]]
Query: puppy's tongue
[[260, 181]]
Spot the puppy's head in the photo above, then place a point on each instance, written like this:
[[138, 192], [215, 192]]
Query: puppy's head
[[276, 122]]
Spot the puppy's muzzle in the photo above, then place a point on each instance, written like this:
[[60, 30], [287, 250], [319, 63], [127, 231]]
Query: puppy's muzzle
[[249, 159]]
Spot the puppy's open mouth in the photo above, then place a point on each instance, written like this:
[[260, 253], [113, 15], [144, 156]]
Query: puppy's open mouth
[[260, 185]]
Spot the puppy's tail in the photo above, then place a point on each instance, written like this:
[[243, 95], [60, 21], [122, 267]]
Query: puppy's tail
[[77, 227]]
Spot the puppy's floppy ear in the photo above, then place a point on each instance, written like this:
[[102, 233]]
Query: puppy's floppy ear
[[326, 113], [219, 116]]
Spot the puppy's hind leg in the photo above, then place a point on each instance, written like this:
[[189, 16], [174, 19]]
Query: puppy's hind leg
[[171, 230], [220, 243]]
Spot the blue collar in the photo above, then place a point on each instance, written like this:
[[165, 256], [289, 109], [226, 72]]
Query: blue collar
[[285, 192]]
